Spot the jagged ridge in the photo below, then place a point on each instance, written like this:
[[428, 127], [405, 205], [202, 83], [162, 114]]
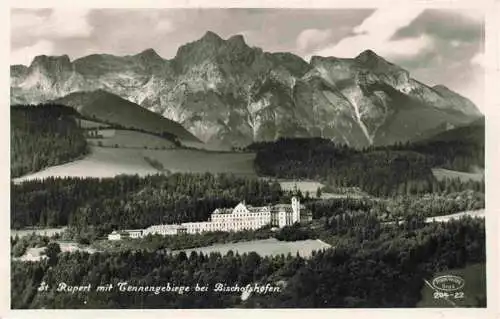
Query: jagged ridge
[[226, 92]]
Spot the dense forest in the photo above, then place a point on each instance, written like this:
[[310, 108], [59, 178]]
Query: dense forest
[[138, 202], [399, 207], [382, 246], [132, 201], [43, 136], [384, 269], [380, 171]]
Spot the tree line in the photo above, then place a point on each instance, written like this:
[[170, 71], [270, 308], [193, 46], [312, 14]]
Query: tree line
[[133, 201], [381, 171], [382, 271], [397, 207], [43, 136]]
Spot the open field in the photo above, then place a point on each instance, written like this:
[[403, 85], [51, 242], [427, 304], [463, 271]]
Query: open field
[[87, 124], [312, 187], [480, 213], [445, 218], [110, 162], [265, 247], [441, 173], [35, 254], [197, 161], [473, 291], [129, 139], [101, 162], [37, 231], [303, 186]]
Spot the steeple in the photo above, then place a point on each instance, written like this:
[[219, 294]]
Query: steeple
[[295, 209]]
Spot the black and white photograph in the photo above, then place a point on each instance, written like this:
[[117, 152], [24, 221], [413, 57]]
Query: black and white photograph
[[250, 158]]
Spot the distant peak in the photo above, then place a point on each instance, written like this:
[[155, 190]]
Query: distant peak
[[63, 58], [18, 66], [149, 53], [368, 55], [44, 60], [316, 59], [238, 38], [209, 35]]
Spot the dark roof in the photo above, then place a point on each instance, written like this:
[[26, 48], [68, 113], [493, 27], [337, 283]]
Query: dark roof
[[257, 209], [281, 207]]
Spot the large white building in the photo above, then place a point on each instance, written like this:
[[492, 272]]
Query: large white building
[[127, 233], [241, 217]]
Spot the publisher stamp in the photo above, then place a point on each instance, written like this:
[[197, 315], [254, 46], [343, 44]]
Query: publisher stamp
[[448, 287]]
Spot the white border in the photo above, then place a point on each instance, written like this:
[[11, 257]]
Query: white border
[[491, 110]]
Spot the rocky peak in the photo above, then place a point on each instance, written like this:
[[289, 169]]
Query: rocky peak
[[261, 95], [18, 69], [319, 60], [375, 64], [151, 60], [368, 56], [293, 63], [18, 72], [196, 51], [212, 48], [149, 54], [237, 40], [210, 36], [371, 60], [51, 63], [47, 70]]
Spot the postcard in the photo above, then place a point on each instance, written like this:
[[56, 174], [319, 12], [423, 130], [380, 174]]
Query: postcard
[[248, 157]]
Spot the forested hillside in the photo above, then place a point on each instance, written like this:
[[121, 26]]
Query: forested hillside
[[384, 269], [43, 136], [132, 201], [380, 171]]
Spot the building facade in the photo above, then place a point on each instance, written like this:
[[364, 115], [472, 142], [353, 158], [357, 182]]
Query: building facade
[[241, 217]]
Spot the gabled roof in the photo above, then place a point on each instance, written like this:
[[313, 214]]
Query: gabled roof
[[240, 206]]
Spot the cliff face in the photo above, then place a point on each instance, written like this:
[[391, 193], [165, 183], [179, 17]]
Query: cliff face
[[225, 92]]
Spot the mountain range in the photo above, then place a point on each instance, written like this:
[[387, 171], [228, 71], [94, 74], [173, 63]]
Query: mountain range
[[225, 92]]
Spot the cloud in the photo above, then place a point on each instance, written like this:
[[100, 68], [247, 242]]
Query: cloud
[[165, 26], [475, 15], [68, 23], [59, 23], [376, 32], [311, 38], [479, 60], [25, 55], [25, 20]]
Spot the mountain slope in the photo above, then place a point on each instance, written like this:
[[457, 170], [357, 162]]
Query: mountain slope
[[473, 133], [111, 108], [460, 149], [43, 136], [226, 92]]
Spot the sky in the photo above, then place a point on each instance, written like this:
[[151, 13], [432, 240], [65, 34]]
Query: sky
[[435, 46]]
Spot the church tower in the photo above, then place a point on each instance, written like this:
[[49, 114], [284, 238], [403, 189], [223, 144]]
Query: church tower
[[295, 209]]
